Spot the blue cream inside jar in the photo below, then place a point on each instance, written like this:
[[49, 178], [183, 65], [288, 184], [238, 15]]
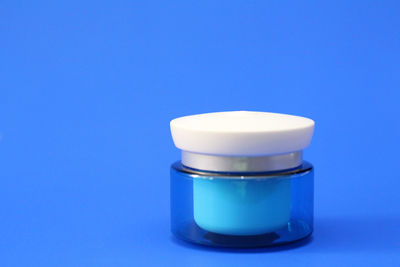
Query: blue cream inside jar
[[241, 206]]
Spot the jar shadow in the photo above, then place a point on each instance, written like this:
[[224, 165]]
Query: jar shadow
[[301, 243]]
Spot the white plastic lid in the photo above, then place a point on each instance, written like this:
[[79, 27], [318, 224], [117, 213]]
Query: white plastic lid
[[242, 133]]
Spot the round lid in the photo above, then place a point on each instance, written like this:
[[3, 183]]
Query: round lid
[[242, 133]]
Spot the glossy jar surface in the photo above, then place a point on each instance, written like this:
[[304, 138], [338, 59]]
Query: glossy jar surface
[[242, 209]]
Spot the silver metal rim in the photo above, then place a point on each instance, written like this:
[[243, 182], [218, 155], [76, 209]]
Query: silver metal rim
[[242, 164]]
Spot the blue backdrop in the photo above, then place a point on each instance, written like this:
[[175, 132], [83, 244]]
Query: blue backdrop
[[87, 90]]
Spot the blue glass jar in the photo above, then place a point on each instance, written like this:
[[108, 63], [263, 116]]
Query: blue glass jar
[[242, 209], [242, 181]]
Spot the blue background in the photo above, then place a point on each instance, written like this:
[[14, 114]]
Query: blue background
[[87, 90]]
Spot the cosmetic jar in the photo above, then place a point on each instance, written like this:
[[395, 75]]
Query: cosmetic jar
[[242, 181]]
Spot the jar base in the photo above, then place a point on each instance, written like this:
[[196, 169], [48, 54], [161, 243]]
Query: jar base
[[294, 232]]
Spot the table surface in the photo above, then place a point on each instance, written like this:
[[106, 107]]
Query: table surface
[[87, 91]]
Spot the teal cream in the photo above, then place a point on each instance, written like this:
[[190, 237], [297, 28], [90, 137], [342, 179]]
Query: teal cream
[[241, 206]]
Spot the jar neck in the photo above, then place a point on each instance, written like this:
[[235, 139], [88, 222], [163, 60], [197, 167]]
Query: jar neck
[[242, 164]]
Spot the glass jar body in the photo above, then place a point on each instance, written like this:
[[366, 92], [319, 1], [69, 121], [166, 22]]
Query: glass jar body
[[242, 209]]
